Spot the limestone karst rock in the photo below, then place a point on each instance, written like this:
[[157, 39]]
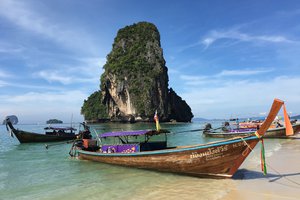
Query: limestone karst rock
[[135, 79]]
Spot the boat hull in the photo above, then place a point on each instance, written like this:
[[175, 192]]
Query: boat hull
[[218, 159], [28, 137], [271, 133], [281, 132]]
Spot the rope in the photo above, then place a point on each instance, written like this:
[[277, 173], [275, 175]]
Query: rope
[[277, 172], [188, 131], [195, 130], [282, 176], [73, 151], [59, 143], [246, 143]]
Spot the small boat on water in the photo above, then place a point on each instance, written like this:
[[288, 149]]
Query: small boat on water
[[279, 132], [52, 134], [247, 124], [274, 132], [217, 159]]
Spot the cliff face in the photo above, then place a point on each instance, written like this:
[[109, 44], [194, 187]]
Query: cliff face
[[135, 81], [179, 110]]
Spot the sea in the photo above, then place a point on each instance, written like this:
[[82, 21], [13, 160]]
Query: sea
[[30, 171]]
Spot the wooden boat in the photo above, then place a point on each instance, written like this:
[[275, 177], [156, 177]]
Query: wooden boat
[[248, 125], [218, 159], [251, 124], [52, 134], [279, 132]]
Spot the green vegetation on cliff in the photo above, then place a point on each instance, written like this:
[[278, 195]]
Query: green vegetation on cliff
[[93, 108], [54, 121], [130, 52], [136, 60]]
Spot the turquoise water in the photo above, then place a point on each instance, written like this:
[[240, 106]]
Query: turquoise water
[[29, 171]]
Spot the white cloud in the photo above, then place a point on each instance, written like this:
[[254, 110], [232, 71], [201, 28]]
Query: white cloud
[[92, 66], [246, 72], [64, 78], [242, 98], [192, 78], [88, 71], [39, 106], [208, 41], [69, 97], [4, 74], [172, 71], [216, 79], [29, 86], [53, 76], [2, 83], [233, 34], [10, 49], [22, 14]]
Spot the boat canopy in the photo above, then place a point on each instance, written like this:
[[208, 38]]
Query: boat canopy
[[132, 133], [60, 128]]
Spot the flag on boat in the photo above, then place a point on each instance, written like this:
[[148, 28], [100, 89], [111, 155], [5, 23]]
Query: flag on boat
[[288, 126], [156, 121]]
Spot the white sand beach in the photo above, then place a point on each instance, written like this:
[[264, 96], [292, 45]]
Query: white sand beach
[[282, 180]]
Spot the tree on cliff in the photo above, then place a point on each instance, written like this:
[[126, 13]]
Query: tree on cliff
[[93, 109], [135, 79]]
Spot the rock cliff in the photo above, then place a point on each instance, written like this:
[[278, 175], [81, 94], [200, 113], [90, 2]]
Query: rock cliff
[[135, 79], [179, 110]]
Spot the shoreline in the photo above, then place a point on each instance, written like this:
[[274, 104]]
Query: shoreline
[[281, 182]]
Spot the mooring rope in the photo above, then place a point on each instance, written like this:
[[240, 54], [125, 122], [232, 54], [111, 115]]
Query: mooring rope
[[277, 172], [194, 130]]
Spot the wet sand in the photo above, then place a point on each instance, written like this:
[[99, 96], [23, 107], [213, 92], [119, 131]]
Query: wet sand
[[282, 180]]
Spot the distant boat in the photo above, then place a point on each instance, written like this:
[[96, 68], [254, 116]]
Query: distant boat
[[52, 134], [279, 132], [272, 132], [218, 159]]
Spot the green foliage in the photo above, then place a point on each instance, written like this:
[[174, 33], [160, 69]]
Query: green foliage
[[129, 54], [137, 56], [93, 108], [54, 121]]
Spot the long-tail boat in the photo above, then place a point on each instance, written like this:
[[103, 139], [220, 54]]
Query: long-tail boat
[[52, 134], [279, 132], [286, 131], [217, 159]]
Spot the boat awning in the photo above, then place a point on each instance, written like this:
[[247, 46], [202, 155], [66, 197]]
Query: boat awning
[[132, 133], [60, 128]]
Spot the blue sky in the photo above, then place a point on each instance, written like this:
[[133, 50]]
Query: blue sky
[[225, 58]]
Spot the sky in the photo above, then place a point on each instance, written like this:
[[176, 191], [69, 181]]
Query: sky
[[225, 58]]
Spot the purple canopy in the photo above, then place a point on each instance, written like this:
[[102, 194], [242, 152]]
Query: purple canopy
[[126, 133]]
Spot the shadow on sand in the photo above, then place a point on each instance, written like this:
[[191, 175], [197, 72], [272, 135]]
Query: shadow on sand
[[244, 174]]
